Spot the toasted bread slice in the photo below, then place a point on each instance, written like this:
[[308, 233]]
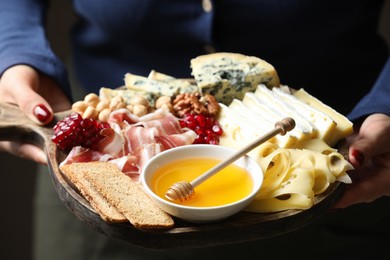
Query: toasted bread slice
[[108, 212], [125, 194]]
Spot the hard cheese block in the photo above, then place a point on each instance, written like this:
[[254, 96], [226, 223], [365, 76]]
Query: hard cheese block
[[230, 75]]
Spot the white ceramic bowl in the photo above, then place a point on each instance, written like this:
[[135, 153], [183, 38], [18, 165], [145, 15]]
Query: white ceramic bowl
[[201, 214]]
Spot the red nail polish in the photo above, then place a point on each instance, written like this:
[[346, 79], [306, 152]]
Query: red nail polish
[[41, 113], [359, 157]]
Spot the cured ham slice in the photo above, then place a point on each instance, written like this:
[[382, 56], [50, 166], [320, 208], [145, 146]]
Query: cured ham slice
[[158, 114], [127, 165], [165, 126], [132, 141], [147, 153], [112, 142], [137, 136], [121, 116], [170, 141], [81, 154]]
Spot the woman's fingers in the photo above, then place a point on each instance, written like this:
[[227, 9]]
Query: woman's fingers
[[37, 96], [373, 182], [26, 151], [372, 140], [21, 84]]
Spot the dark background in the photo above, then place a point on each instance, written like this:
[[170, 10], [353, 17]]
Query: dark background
[[18, 178]]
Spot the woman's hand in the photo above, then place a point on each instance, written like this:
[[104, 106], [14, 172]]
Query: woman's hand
[[38, 97], [369, 153]]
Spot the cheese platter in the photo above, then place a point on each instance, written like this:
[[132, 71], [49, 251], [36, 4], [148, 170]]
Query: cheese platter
[[244, 226], [284, 203]]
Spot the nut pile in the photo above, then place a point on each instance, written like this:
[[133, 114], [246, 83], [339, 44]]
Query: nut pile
[[194, 103], [183, 104], [95, 108]]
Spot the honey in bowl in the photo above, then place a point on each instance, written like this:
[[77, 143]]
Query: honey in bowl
[[231, 184]]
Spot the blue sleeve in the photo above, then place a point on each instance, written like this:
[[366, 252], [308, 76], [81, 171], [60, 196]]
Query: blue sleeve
[[23, 39], [377, 100]]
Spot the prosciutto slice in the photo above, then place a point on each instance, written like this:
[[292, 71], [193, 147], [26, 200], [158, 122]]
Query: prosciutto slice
[[165, 126], [127, 165], [136, 137], [122, 116], [81, 154], [170, 141], [132, 141]]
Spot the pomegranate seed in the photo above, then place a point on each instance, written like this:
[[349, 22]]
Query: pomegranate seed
[[206, 127], [73, 131], [217, 129], [201, 120], [209, 121], [191, 124]]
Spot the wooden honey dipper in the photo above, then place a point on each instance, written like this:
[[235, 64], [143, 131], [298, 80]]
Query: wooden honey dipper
[[184, 189]]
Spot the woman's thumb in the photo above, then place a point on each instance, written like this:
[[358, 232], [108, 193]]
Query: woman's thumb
[[20, 85], [373, 139], [36, 108]]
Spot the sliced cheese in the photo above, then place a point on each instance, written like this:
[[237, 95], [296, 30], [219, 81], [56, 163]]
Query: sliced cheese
[[260, 120], [324, 124], [343, 128], [250, 100], [274, 103], [232, 135]]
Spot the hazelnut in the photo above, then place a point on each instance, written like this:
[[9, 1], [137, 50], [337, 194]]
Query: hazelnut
[[167, 106], [91, 99], [162, 100], [115, 102], [139, 100], [140, 110], [102, 105], [79, 106], [90, 112], [104, 114]]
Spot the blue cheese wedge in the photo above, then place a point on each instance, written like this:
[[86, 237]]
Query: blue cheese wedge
[[126, 94], [167, 87], [183, 85], [155, 75], [230, 75]]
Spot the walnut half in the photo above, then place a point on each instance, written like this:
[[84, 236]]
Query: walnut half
[[194, 103]]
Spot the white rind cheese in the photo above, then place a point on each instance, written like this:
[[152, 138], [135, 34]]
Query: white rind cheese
[[260, 121], [343, 128], [259, 111], [238, 131], [322, 123], [284, 109], [230, 75]]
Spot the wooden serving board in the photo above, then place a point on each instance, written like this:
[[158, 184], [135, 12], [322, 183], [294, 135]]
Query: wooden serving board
[[242, 227]]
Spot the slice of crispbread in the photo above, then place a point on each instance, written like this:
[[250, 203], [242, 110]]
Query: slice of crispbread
[[126, 195], [108, 212]]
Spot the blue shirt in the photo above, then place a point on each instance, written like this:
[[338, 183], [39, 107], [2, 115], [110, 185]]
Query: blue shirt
[[331, 48]]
